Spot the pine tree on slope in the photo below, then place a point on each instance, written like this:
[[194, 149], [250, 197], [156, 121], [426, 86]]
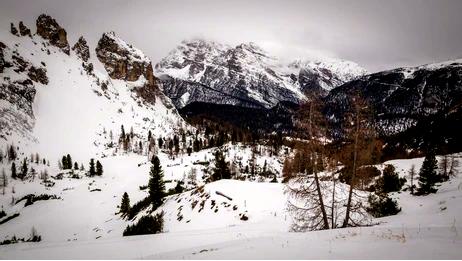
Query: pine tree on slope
[[99, 168], [156, 184], [125, 205], [14, 175], [427, 175], [92, 168]]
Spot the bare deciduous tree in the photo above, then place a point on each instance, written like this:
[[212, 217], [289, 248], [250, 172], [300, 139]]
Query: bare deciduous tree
[[309, 190], [359, 133]]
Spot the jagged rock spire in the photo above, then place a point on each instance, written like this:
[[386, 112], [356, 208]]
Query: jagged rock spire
[[49, 29]]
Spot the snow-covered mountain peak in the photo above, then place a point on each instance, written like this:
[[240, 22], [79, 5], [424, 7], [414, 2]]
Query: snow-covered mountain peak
[[252, 48], [205, 71], [328, 72]]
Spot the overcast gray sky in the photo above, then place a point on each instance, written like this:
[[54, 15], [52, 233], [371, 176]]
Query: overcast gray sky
[[376, 34]]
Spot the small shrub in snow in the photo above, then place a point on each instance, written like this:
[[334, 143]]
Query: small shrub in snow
[[138, 206], [2, 213], [3, 221], [31, 198], [389, 181], [146, 225], [382, 205], [34, 237]]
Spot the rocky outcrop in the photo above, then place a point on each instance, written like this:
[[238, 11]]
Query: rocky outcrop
[[124, 62], [81, 49], [38, 75], [13, 59], [83, 52], [24, 30], [49, 29], [13, 30], [3, 63]]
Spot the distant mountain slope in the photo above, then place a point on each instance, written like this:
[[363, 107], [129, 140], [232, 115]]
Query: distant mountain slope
[[277, 118], [423, 101], [244, 75], [53, 100]]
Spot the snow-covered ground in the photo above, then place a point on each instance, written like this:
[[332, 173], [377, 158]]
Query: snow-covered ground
[[427, 227]]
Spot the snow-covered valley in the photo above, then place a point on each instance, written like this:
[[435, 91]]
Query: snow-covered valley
[[83, 224]]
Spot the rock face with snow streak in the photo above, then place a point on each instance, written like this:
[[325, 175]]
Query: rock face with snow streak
[[244, 75], [49, 29]]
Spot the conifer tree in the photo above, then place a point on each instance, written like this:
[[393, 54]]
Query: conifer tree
[[4, 180], [14, 175], [99, 168], [125, 205], [427, 175], [76, 166], [24, 169], [64, 162], [390, 180], [92, 168], [122, 135], [11, 153], [156, 184], [69, 162], [221, 170]]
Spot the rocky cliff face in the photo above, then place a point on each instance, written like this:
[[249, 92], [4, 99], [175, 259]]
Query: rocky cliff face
[[244, 75], [49, 29], [18, 92], [124, 62]]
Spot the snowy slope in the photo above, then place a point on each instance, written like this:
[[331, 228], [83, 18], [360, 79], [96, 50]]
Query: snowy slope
[[88, 215], [73, 111]]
